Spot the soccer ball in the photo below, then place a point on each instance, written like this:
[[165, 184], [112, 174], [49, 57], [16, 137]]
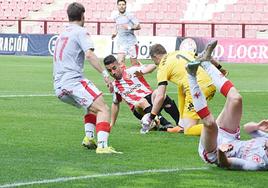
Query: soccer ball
[[147, 124]]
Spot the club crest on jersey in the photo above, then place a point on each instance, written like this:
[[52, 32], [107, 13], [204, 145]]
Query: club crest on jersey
[[256, 158]]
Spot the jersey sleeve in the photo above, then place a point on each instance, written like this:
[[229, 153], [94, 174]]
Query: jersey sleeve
[[85, 40], [133, 19], [162, 76], [258, 133], [241, 164]]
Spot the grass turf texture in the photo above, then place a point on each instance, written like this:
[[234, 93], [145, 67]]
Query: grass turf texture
[[40, 137]]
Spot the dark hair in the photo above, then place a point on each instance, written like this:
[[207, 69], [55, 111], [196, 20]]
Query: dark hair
[[109, 60], [75, 11], [121, 0], [157, 49]]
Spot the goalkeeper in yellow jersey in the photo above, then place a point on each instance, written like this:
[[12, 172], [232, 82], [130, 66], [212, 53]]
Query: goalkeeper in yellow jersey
[[171, 67]]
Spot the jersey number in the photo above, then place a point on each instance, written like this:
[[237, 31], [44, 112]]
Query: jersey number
[[60, 44]]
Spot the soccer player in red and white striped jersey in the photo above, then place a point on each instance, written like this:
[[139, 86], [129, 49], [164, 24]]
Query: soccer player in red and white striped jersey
[[131, 86]]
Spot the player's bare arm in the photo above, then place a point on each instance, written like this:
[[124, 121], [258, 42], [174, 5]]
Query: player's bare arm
[[136, 27], [94, 61], [159, 99], [253, 126], [147, 69], [114, 112]]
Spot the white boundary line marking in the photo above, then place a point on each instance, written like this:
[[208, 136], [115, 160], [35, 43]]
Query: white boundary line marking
[[30, 95], [64, 179], [53, 95]]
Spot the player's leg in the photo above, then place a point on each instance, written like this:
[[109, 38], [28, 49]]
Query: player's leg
[[219, 67], [102, 124], [190, 120], [121, 54], [230, 116], [66, 95], [171, 108], [133, 52], [90, 125], [208, 138], [90, 98], [121, 58]]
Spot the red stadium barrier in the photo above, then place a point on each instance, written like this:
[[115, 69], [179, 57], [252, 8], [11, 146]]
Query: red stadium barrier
[[182, 31]]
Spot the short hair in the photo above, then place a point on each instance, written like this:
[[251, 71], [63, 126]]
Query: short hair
[[121, 0], [157, 49], [109, 60], [75, 11]]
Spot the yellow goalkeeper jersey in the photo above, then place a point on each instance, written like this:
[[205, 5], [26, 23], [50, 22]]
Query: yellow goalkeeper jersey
[[173, 69]]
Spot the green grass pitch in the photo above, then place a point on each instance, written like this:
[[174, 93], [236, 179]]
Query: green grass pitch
[[40, 137]]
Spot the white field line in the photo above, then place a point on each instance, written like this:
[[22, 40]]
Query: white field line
[[49, 95], [64, 179]]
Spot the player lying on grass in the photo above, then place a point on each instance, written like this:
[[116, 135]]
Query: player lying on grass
[[130, 86], [220, 142], [172, 69]]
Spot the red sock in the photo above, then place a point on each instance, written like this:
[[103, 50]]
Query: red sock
[[103, 126], [90, 118]]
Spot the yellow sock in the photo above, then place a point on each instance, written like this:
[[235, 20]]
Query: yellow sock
[[194, 130]]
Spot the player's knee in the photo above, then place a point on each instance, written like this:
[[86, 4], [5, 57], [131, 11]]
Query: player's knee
[[235, 98], [106, 108], [209, 121]]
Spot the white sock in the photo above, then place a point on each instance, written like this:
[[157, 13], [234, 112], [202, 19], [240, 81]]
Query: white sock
[[102, 139], [89, 130], [217, 77], [199, 100]]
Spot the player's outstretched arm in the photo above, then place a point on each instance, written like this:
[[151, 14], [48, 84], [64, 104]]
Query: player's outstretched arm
[[94, 61], [241, 164], [146, 69], [136, 27], [253, 126], [114, 112], [259, 129], [159, 99], [232, 162]]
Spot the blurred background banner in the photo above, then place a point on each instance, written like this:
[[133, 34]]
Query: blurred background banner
[[27, 44], [232, 50]]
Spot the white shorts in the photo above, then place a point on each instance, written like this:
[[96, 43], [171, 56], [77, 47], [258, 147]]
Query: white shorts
[[224, 137], [131, 51], [79, 94]]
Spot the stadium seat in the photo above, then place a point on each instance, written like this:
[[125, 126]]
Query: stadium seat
[[241, 11]]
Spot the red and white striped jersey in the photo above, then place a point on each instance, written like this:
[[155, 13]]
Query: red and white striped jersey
[[131, 88]]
